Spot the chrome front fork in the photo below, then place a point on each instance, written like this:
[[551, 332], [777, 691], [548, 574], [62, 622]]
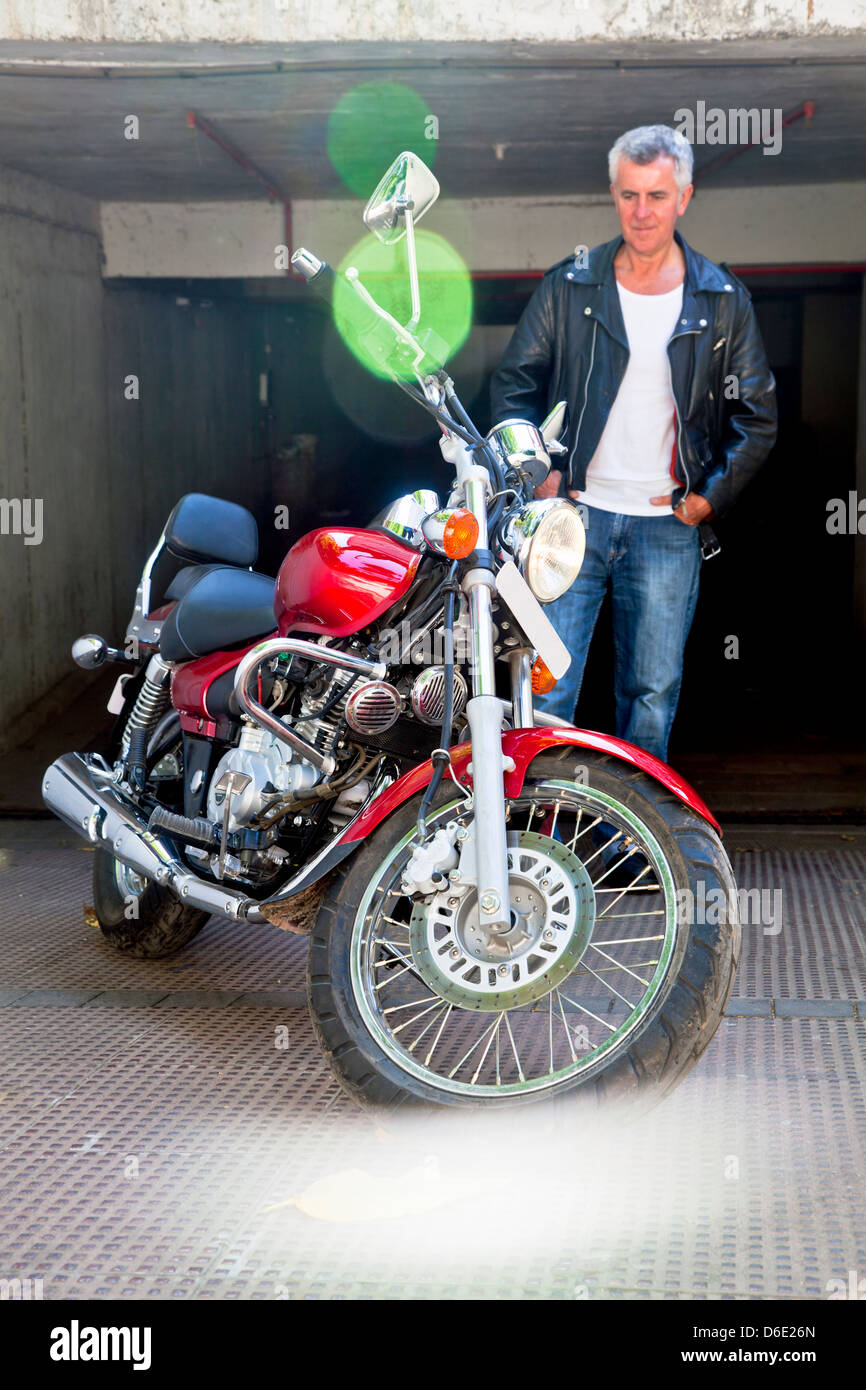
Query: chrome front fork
[[484, 712], [520, 667]]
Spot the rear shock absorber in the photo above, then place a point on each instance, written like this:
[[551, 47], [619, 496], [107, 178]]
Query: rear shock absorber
[[150, 703]]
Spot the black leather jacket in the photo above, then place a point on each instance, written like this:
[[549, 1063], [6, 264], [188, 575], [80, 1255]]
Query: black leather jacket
[[571, 344]]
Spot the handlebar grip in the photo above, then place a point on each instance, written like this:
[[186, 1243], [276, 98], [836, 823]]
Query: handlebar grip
[[319, 275]]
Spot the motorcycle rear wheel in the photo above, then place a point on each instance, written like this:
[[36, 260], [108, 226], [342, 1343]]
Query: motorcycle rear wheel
[[613, 999], [136, 915]]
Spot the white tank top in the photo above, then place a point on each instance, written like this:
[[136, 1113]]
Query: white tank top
[[633, 460]]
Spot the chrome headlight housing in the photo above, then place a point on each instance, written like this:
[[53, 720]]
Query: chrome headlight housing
[[547, 542], [403, 518]]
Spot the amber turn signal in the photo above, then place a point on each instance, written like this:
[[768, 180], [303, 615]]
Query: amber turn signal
[[542, 680], [460, 535]]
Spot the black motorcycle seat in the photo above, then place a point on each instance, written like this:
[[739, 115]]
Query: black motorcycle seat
[[222, 608], [185, 578], [202, 528]]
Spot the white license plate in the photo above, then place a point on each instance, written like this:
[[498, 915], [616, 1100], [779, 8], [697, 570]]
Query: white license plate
[[513, 588]]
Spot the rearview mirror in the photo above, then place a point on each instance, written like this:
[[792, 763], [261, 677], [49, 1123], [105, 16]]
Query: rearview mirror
[[407, 186], [552, 426]]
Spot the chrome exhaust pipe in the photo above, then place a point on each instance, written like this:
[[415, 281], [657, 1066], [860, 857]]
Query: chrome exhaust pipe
[[84, 798]]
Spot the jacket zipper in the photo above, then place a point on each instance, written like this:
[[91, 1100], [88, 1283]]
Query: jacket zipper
[[690, 332], [585, 399]]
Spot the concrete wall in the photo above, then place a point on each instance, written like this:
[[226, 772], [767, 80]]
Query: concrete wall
[[297, 21], [105, 469], [192, 239], [52, 428], [802, 224], [191, 428], [860, 542]]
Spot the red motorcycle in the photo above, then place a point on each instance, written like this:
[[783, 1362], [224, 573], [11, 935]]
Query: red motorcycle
[[497, 915]]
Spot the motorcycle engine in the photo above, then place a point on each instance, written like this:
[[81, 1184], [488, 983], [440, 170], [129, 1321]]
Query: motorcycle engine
[[275, 771], [275, 774]]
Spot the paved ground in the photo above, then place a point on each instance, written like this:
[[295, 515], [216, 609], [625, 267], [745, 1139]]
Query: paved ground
[[159, 1141]]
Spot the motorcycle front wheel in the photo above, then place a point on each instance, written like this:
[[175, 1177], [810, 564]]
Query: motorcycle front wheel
[[600, 988]]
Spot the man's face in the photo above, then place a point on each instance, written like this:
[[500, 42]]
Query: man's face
[[648, 203]]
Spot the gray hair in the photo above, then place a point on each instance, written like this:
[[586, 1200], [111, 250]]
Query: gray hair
[[645, 143]]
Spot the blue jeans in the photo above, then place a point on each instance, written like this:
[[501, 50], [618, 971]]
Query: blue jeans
[[653, 565]]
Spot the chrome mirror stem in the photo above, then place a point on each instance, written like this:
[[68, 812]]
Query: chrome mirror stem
[[413, 264]]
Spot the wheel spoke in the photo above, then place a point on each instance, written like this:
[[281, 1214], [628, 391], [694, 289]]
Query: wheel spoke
[[426, 1029], [580, 835], [628, 940], [566, 1027], [603, 1021], [438, 1036], [397, 954], [621, 892], [513, 1048], [613, 867], [493, 1027], [391, 978], [401, 1026], [494, 1034], [612, 917], [550, 1032], [612, 988], [413, 1004], [619, 965]]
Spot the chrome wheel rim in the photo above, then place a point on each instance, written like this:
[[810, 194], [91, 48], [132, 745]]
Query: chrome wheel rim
[[560, 1024], [130, 883]]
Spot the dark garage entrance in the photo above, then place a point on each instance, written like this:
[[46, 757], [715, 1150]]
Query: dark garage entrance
[[770, 718]]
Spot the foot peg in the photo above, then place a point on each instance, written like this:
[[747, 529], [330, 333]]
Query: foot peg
[[187, 828]]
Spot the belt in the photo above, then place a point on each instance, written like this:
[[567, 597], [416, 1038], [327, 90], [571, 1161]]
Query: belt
[[709, 541]]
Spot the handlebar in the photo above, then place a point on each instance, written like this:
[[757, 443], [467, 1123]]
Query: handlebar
[[320, 276], [322, 279]]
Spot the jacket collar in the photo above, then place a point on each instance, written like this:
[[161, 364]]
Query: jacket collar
[[701, 274]]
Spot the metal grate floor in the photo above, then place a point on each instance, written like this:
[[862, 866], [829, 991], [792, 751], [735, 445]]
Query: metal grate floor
[[170, 1149]]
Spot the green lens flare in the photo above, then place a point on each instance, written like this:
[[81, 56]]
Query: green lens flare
[[446, 303], [371, 125]]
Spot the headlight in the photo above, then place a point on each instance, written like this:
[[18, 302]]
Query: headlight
[[547, 542]]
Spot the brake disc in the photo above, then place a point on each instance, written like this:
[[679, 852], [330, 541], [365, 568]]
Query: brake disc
[[552, 915]]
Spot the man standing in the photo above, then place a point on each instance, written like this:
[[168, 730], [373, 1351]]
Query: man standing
[[671, 411]]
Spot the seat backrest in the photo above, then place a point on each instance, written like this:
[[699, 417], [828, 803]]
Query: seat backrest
[[202, 528]]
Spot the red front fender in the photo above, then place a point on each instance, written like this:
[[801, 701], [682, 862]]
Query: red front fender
[[523, 745]]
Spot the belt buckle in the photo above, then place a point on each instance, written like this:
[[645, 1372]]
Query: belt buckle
[[709, 544]]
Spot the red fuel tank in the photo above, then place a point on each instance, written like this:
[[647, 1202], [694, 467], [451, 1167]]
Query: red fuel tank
[[334, 582]]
